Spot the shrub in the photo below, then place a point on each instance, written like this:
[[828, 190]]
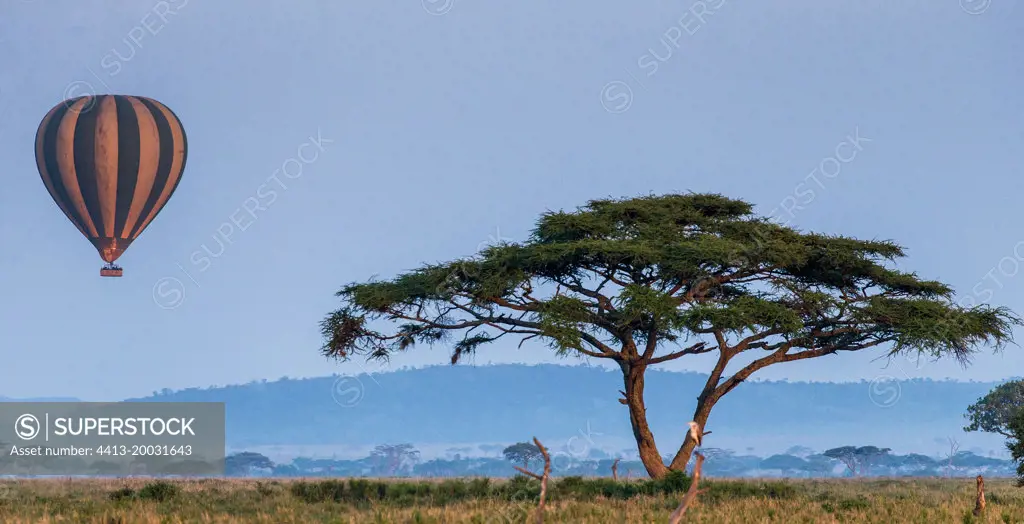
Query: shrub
[[519, 489], [125, 493], [159, 491]]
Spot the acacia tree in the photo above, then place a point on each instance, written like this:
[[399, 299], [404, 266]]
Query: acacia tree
[[847, 455], [243, 464], [649, 280], [858, 460], [522, 452], [392, 458]]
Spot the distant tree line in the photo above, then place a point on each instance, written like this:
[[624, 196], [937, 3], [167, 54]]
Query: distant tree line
[[403, 460]]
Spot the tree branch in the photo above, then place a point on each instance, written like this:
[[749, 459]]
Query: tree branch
[[691, 494], [606, 351], [696, 349], [652, 341], [782, 355]]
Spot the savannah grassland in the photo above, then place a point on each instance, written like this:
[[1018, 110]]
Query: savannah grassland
[[130, 501]]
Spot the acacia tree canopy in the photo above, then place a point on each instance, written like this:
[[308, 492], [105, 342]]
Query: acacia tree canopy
[[647, 280], [522, 452], [243, 463]]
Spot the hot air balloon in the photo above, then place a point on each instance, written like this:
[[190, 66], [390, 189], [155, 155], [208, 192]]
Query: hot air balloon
[[111, 163]]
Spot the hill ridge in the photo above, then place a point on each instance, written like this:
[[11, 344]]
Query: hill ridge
[[439, 405]]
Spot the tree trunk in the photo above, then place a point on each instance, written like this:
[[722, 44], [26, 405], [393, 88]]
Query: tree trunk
[[700, 416], [634, 379]]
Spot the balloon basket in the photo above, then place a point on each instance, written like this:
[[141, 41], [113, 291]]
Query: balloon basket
[[111, 271]]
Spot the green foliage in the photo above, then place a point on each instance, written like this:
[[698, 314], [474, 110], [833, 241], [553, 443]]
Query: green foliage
[[159, 491], [234, 501], [857, 459], [519, 488], [124, 493], [361, 492], [562, 321], [245, 462], [722, 491], [1001, 411], [1016, 443], [831, 503], [616, 274], [267, 489], [321, 491], [993, 412], [522, 453]]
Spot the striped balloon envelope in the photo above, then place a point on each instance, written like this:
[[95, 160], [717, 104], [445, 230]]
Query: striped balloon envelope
[[111, 163]]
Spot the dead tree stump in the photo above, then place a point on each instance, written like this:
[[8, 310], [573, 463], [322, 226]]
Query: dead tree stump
[[542, 478], [691, 494], [979, 505]]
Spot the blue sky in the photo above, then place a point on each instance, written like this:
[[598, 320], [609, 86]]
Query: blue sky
[[448, 125]]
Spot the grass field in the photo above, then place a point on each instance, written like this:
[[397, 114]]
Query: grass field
[[130, 501]]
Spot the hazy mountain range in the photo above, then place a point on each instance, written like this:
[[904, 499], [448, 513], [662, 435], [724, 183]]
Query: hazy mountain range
[[466, 407]]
